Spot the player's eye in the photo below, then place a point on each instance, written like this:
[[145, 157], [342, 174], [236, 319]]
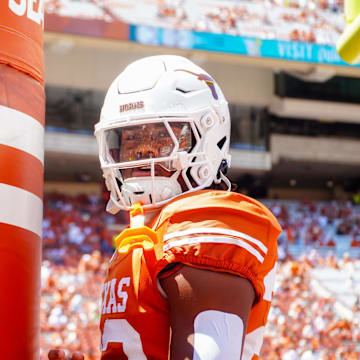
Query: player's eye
[[129, 137]]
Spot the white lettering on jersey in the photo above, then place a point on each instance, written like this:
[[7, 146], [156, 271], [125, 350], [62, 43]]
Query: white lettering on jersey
[[19, 7], [105, 292], [111, 306], [122, 294], [269, 282], [112, 288], [253, 342], [120, 331]]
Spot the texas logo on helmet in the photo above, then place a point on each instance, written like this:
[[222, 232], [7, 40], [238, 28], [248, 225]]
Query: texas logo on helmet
[[210, 82]]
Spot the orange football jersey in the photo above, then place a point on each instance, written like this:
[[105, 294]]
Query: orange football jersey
[[209, 229]]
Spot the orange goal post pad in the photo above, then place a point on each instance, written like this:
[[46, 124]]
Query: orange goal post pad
[[21, 36], [22, 114]]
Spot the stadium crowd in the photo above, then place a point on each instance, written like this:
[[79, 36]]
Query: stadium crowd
[[319, 225], [297, 20], [304, 324], [73, 226]]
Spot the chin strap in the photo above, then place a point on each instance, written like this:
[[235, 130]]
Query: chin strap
[[224, 165], [226, 181]]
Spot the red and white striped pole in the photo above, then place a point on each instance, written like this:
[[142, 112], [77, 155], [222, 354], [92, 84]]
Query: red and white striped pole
[[22, 104]]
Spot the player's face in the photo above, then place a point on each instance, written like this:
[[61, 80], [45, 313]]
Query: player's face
[[147, 141]]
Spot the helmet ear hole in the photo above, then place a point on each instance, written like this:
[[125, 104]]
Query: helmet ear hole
[[221, 143], [207, 121]]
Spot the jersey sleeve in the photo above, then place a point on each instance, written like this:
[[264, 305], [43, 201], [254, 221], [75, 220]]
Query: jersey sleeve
[[221, 231]]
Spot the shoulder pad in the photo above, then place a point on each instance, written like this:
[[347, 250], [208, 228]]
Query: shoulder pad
[[205, 201]]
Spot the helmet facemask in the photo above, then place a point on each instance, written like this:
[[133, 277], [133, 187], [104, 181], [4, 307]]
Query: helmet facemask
[[151, 160]]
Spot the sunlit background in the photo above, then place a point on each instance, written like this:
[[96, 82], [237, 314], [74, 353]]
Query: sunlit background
[[295, 145]]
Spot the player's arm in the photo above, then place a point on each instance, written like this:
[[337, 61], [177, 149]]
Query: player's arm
[[209, 313]]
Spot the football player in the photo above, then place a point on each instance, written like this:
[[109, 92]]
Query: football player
[[193, 275]]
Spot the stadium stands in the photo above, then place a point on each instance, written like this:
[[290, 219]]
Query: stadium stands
[[76, 226], [316, 312], [297, 20], [69, 305], [325, 226], [309, 321], [307, 21]]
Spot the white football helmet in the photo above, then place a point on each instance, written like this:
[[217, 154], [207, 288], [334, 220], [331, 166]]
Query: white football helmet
[[164, 130]]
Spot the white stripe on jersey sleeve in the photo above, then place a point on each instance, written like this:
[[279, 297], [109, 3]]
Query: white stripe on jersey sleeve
[[215, 239], [211, 230]]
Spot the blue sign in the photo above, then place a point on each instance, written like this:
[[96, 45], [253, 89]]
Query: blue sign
[[248, 46]]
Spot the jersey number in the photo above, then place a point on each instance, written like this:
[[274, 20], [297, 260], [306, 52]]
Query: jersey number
[[120, 331], [269, 282]]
